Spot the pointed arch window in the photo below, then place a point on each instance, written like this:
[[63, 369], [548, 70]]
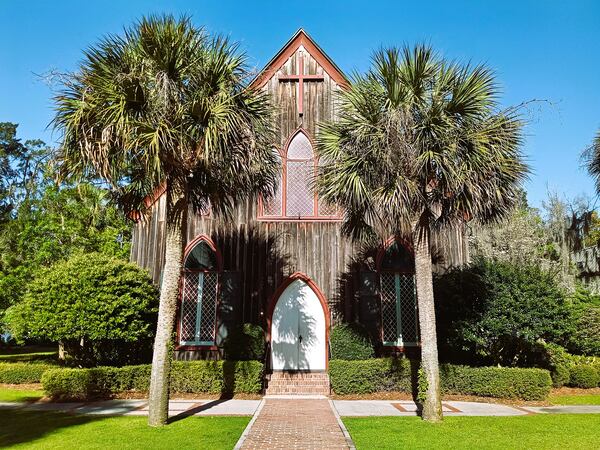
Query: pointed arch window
[[399, 315], [199, 294], [294, 197]]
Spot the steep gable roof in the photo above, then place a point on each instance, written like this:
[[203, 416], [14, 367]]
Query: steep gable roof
[[300, 38]]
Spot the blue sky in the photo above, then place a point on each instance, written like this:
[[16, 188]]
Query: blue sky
[[544, 50]]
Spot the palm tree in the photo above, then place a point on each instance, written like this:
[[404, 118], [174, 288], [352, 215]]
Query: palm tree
[[420, 145], [165, 105], [591, 156]]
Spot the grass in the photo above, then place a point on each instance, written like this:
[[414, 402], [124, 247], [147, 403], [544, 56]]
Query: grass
[[572, 431], [53, 430], [19, 395], [581, 399], [29, 354]]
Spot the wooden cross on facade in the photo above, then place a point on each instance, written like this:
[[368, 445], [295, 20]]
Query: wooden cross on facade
[[301, 77]]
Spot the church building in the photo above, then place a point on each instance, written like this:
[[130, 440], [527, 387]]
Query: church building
[[285, 264]]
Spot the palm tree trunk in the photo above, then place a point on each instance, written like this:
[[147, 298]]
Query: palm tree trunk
[[432, 407], [158, 399]]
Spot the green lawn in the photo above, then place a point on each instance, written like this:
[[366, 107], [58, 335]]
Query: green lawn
[[52, 430], [572, 431], [19, 395], [31, 354], [581, 399]]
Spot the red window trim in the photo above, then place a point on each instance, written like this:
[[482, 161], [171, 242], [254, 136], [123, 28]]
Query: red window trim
[[315, 217]]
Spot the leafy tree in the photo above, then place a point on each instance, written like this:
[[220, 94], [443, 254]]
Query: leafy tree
[[585, 337], [21, 169], [167, 105], [51, 226], [420, 144], [101, 308], [529, 237], [494, 312]]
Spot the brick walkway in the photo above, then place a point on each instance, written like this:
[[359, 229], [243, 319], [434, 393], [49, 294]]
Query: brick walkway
[[295, 424]]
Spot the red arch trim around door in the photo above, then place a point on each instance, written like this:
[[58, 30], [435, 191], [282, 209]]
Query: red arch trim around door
[[322, 300]]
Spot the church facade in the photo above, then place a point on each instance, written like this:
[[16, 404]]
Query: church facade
[[284, 263]]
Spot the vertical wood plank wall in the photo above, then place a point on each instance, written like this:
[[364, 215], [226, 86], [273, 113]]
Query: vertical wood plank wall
[[263, 253]]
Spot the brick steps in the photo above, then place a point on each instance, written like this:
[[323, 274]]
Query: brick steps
[[297, 383]]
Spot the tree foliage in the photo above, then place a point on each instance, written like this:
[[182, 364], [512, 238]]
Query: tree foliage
[[53, 225], [497, 312], [167, 104], [22, 166], [87, 302]]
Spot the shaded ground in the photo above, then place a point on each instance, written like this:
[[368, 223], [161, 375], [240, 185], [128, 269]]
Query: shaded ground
[[54, 430], [562, 396], [530, 432]]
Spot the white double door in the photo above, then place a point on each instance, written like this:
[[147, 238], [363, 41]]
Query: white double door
[[298, 338]]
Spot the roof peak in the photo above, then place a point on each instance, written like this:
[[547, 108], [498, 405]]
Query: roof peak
[[299, 38]]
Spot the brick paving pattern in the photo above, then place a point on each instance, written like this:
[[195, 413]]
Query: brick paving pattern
[[296, 424]]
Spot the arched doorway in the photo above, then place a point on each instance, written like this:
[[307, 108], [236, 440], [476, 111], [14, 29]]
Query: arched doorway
[[298, 326]]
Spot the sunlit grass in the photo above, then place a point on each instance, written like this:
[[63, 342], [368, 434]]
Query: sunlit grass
[[560, 431], [54, 430]]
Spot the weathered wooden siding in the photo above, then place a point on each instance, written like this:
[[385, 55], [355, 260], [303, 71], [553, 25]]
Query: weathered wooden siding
[[259, 254]]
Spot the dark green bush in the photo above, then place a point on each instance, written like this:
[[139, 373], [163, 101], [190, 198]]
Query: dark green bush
[[375, 375], [492, 313], [350, 341], [556, 359], [102, 309], [245, 343], [584, 376], [210, 377], [585, 337], [20, 373]]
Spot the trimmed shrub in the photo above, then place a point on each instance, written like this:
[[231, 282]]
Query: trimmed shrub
[[499, 382], [101, 308], [371, 375], [558, 361], [376, 375], [20, 373], [584, 376], [350, 341], [210, 377], [245, 343]]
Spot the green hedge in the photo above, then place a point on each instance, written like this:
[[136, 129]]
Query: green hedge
[[500, 382], [376, 375], [350, 341], [211, 377], [19, 373], [584, 376]]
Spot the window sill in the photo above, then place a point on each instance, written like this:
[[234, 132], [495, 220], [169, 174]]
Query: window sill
[[196, 347]]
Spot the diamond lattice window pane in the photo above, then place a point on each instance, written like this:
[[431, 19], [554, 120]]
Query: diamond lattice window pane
[[408, 308], [189, 308], [273, 206], [300, 200], [198, 308], [300, 147], [388, 308], [208, 308]]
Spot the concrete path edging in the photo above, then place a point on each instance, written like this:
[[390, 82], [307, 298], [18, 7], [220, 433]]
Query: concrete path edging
[[349, 440], [246, 432]]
